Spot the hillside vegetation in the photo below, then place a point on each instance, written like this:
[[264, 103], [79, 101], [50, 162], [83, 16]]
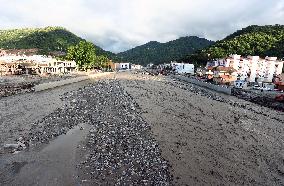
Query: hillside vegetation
[[253, 40], [47, 40], [155, 52]]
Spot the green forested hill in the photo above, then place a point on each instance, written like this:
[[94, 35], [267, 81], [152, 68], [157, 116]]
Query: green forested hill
[[47, 40], [253, 40], [155, 52]]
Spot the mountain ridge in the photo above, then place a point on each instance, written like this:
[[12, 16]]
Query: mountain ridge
[[267, 40], [47, 40], [156, 52]]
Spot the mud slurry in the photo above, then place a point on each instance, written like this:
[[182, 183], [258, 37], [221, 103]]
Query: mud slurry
[[119, 149]]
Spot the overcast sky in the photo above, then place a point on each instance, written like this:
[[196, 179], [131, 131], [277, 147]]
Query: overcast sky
[[117, 25]]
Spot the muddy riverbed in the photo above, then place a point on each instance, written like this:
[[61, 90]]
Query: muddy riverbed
[[116, 148], [210, 138], [141, 130]]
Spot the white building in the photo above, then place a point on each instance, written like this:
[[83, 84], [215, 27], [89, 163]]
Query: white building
[[57, 66], [136, 67], [122, 66], [39, 63], [183, 68], [252, 68]]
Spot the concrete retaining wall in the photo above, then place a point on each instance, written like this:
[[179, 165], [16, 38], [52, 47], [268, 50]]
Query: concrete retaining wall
[[218, 88], [55, 84], [101, 74]]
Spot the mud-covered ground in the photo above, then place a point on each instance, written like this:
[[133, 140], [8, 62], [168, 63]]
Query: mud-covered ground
[[118, 147], [138, 129], [210, 138]]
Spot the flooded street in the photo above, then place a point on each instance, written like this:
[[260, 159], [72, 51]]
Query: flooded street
[[137, 129]]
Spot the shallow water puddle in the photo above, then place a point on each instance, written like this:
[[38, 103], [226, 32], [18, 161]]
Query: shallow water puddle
[[55, 164]]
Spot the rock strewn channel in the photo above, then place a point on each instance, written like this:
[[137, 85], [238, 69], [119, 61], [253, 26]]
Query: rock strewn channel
[[119, 149]]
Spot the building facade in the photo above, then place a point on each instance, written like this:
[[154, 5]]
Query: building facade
[[183, 68], [122, 66], [20, 64], [252, 68], [136, 67]]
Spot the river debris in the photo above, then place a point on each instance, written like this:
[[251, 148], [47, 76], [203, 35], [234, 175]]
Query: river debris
[[16, 88], [11, 85], [16, 147]]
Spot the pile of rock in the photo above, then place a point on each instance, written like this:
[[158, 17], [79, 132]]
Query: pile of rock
[[260, 99]]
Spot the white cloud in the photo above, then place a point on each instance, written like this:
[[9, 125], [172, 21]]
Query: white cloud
[[118, 25]]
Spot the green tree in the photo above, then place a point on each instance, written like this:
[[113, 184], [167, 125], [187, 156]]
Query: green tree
[[48, 40], [85, 56]]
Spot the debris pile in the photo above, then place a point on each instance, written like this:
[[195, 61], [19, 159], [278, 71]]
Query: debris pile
[[262, 100], [21, 144], [11, 85], [16, 88], [250, 96]]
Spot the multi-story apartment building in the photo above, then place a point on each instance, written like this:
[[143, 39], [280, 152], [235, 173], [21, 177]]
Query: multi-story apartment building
[[252, 68]]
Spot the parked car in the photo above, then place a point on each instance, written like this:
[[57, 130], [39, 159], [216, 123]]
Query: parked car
[[265, 88], [256, 87]]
